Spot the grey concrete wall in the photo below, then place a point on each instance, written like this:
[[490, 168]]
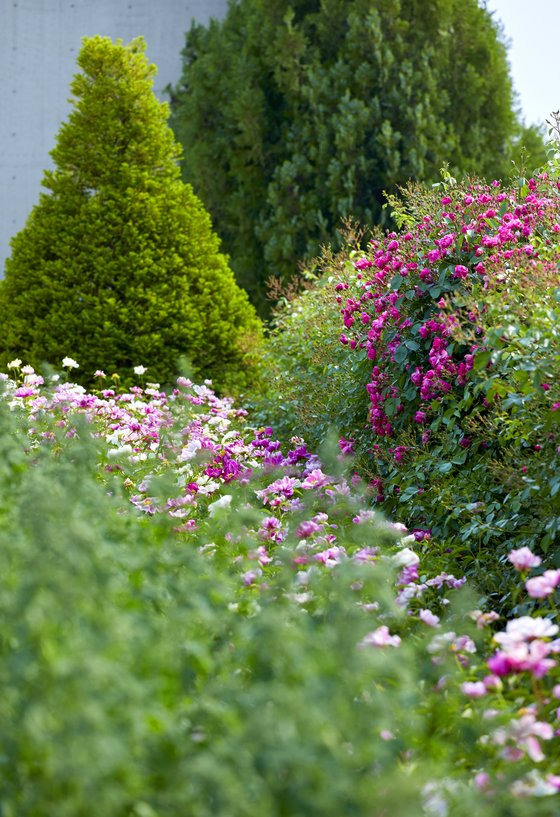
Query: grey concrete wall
[[39, 43]]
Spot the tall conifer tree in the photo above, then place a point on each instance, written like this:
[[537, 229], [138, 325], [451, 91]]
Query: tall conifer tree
[[312, 108]]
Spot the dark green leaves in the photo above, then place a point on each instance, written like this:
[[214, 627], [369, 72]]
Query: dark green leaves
[[295, 116]]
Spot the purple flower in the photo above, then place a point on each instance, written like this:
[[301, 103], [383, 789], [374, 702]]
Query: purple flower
[[306, 529], [367, 554], [346, 446]]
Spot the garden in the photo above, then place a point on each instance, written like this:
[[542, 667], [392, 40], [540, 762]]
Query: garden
[[291, 564]]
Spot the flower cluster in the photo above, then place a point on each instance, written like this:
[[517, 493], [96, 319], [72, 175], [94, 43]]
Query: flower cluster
[[399, 306]]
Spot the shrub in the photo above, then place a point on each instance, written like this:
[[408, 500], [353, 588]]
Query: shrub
[[310, 110], [118, 260], [457, 315], [308, 383]]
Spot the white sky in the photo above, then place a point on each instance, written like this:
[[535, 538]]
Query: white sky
[[532, 28]]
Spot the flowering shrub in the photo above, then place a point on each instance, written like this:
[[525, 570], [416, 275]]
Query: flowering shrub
[[194, 615], [400, 306], [458, 314], [461, 435]]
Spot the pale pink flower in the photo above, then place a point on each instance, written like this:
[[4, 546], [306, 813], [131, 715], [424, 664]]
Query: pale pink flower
[[541, 586], [380, 638], [330, 557], [482, 780], [386, 734], [526, 628], [524, 733], [482, 619], [524, 559], [363, 517], [316, 479], [429, 618], [474, 689]]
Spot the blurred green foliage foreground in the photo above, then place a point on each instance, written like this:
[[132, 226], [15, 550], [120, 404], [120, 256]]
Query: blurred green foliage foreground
[[141, 676]]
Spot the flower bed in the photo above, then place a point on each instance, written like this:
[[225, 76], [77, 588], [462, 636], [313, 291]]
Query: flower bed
[[291, 531]]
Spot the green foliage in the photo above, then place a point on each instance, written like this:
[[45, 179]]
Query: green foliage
[[139, 675], [481, 469], [308, 383], [310, 110], [118, 265], [503, 491]]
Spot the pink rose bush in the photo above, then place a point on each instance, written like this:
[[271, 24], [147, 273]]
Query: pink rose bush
[[398, 311], [404, 305], [457, 318]]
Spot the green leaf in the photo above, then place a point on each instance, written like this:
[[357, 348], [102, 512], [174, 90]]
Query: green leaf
[[460, 458], [401, 353]]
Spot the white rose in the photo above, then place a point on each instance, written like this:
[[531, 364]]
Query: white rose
[[222, 502], [70, 363], [405, 558]]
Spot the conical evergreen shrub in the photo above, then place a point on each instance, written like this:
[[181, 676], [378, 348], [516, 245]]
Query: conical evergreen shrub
[[117, 265]]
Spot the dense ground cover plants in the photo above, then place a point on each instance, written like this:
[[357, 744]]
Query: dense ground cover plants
[[199, 621], [446, 379], [118, 261], [310, 109]]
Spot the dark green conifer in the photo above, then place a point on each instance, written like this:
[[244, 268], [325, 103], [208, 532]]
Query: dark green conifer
[[310, 109]]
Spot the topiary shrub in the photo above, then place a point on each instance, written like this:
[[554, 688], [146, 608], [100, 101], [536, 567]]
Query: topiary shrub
[[117, 264]]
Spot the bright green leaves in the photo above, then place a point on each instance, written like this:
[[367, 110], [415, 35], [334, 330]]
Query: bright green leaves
[[118, 265]]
